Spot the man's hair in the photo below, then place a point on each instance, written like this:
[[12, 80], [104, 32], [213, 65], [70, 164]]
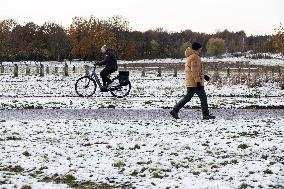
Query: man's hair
[[104, 46]]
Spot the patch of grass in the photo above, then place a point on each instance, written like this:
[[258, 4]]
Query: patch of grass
[[119, 164], [26, 187], [205, 144], [141, 163], [224, 163], [31, 106], [111, 106], [174, 154], [234, 161], [195, 172], [135, 147], [244, 186], [214, 167], [264, 156], [86, 144], [16, 169], [186, 147], [243, 146], [148, 102], [70, 180], [134, 173], [13, 138], [26, 153], [155, 174], [267, 171]]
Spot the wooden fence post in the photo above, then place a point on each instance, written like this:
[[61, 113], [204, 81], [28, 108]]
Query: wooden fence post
[[143, 72], [159, 71], [28, 70], [249, 76], [16, 70], [47, 69], [228, 72], [239, 74], [266, 76], [37, 70], [41, 71], [55, 70], [175, 71], [1, 68], [66, 70], [87, 70]]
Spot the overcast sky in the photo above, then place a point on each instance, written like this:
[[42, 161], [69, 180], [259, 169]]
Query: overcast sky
[[253, 16]]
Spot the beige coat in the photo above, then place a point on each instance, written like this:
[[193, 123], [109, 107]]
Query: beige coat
[[194, 70]]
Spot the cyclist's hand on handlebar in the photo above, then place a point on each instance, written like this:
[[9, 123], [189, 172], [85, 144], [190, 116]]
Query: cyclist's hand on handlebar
[[97, 64]]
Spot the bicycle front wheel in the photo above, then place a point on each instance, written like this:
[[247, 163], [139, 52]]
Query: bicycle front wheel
[[118, 90], [85, 86]]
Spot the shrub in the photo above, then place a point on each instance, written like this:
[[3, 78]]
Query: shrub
[[215, 46]]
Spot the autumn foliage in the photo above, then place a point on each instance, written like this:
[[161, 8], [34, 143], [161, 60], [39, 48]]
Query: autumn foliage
[[84, 37]]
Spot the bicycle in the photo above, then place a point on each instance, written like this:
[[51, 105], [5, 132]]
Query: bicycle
[[119, 86]]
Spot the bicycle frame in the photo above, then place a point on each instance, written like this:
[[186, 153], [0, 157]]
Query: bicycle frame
[[96, 78]]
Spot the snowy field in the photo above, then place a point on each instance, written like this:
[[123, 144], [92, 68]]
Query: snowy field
[[142, 154], [139, 153], [150, 92], [267, 59]]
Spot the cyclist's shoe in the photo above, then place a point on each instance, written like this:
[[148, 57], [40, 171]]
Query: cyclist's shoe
[[207, 117], [104, 89], [174, 114]]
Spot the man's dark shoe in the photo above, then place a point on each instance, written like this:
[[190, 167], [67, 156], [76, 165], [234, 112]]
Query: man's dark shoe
[[207, 117], [104, 89], [174, 114]]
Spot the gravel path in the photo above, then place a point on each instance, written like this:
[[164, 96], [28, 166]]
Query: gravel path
[[134, 114]]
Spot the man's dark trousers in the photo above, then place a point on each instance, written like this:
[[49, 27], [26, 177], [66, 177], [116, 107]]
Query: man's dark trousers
[[190, 92], [105, 73]]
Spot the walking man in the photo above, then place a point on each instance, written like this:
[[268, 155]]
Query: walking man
[[194, 76]]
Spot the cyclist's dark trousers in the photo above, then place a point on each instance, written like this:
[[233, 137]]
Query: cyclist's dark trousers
[[190, 92], [104, 75]]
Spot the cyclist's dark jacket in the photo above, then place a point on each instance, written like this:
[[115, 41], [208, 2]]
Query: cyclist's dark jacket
[[110, 60]]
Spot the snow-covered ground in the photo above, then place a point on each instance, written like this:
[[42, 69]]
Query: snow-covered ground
[[142, 153], [266, 59], [147, 92]]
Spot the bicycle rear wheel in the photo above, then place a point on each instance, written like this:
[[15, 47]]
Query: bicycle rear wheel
[[85, 86], [118, 90]]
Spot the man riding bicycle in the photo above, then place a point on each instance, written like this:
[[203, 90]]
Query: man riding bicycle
[[110, 63]]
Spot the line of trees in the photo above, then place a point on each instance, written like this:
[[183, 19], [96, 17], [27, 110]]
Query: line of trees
[[84, 37]]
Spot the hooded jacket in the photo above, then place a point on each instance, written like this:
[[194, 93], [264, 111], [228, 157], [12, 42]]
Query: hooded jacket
[[109, 60], [194, 71]]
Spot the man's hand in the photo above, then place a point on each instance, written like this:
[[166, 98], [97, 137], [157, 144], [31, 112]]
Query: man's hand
[[199, 87], [207, 78], [96, 63]]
